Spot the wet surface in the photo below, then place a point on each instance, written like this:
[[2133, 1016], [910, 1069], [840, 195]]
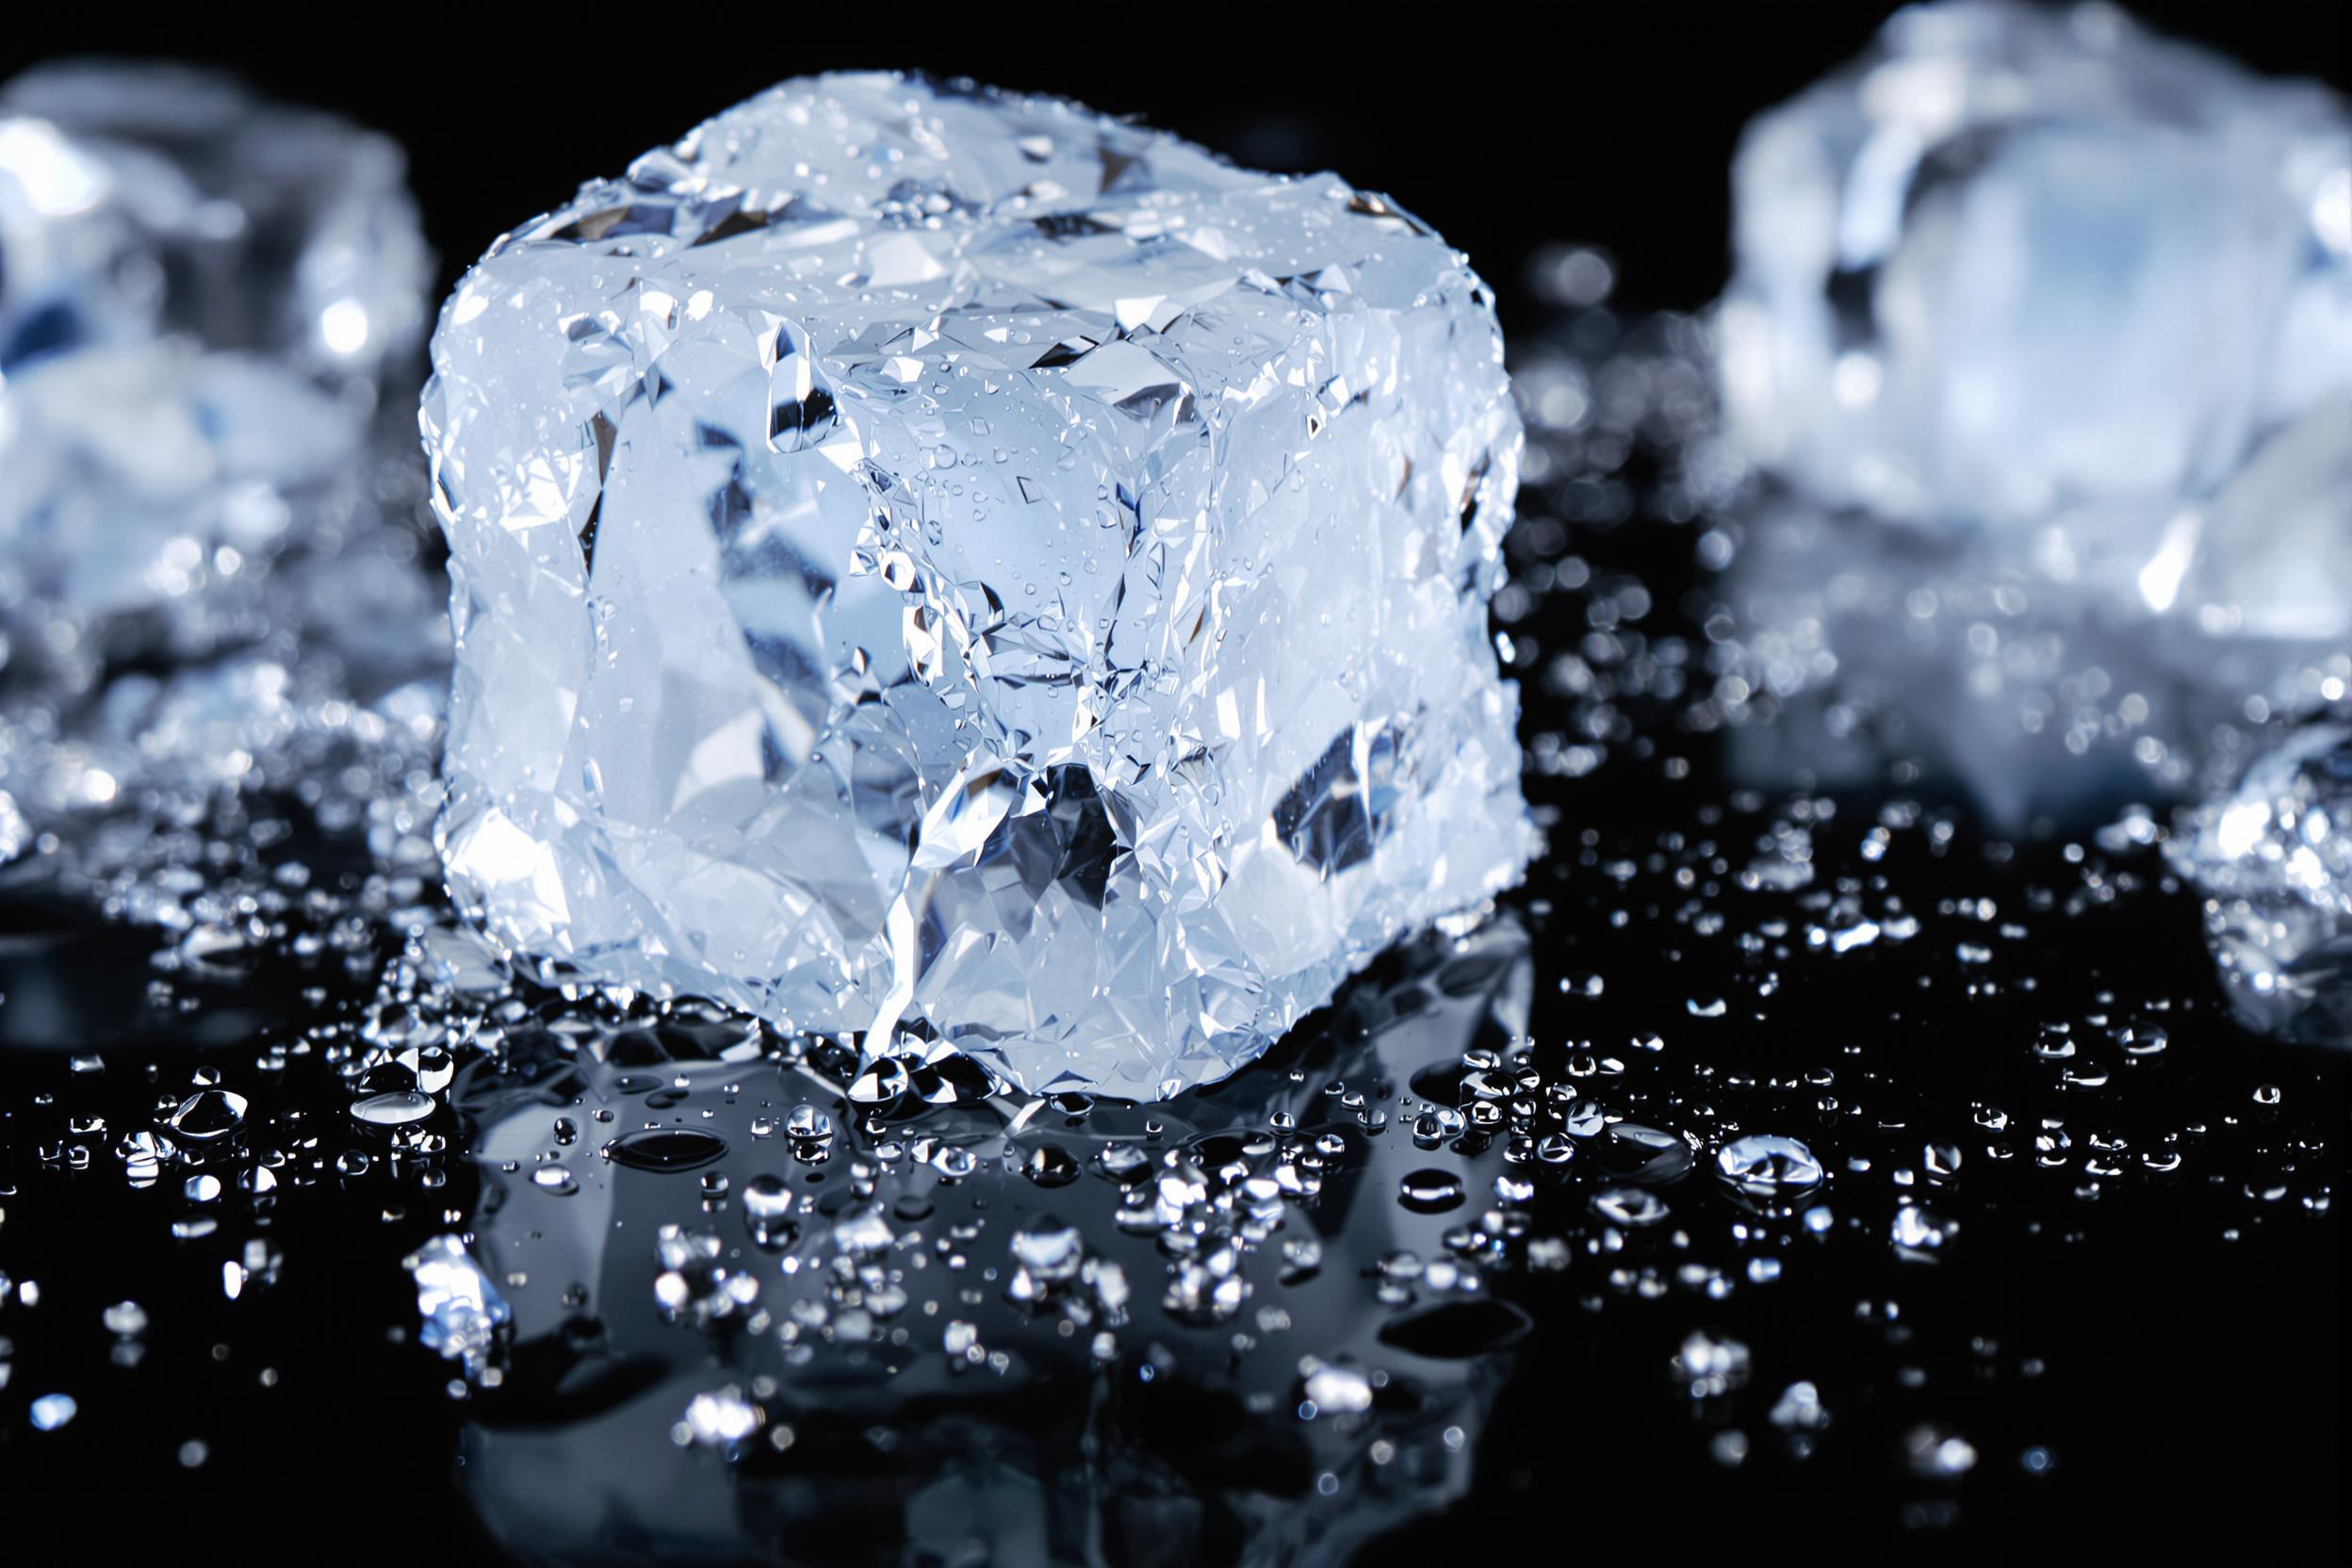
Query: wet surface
[[2072, 1229], [1776, 1165]]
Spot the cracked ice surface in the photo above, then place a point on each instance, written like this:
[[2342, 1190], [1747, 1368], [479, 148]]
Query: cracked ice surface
[[946, 565]]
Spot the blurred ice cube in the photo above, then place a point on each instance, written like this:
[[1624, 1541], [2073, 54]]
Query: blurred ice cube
[[2019, 265], [203, 299], [2045, 327]]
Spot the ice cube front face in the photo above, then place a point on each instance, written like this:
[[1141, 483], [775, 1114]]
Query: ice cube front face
[[950, 566]]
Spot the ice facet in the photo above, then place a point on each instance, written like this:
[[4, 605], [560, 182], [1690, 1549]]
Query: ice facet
[[2274, 859], [201, 297], [950, 566]]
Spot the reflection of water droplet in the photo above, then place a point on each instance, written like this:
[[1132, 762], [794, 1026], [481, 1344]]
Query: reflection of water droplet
[[1628, 1206], [1765, 1165], [665, 1148], [767, 1198], [126, 1318], [51, 1411], [861, 1231], [1920, 1234], [1934, 1452], [1713, 1364], [1336, 1391], [1431, 1191], [555, 1179], [1049, 1248], [717, 1420], [1799, 1408]]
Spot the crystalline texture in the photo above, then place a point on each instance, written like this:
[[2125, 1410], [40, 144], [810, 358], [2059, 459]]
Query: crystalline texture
[[2273, 858], [950, 566], [201, 296]]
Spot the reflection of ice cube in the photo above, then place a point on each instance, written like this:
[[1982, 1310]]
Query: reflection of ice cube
[[1865, 654], [462, 1308], [2071, 307], [2274, 859], [201, 297], [2016, 266]]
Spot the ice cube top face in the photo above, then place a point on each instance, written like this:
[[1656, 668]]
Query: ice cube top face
[[950, 566], [199, 296], [2018, 260]]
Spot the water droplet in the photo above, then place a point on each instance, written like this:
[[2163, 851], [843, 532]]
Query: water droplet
[[1051, 1166], [400, 1109], [1431, 1191], [1765, 1165], [767, 1198], [208, 1116], [1645, 1154]]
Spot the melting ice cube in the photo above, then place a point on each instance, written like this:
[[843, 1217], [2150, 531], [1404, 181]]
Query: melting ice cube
[[955, 567]]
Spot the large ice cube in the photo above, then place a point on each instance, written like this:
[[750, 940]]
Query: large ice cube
[[201, 297], [940, 564]]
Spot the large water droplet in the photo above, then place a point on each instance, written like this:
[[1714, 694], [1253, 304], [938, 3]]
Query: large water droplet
[[393, 1110], [1763, 1165], [666, 1148], [1431, 1191], [207, 1114]]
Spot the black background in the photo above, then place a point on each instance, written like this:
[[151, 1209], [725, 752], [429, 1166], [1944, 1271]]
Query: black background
[[2211, 1408], [1504, 127]]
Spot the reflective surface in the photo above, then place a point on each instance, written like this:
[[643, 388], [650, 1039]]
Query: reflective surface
[[1809, 1163]]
